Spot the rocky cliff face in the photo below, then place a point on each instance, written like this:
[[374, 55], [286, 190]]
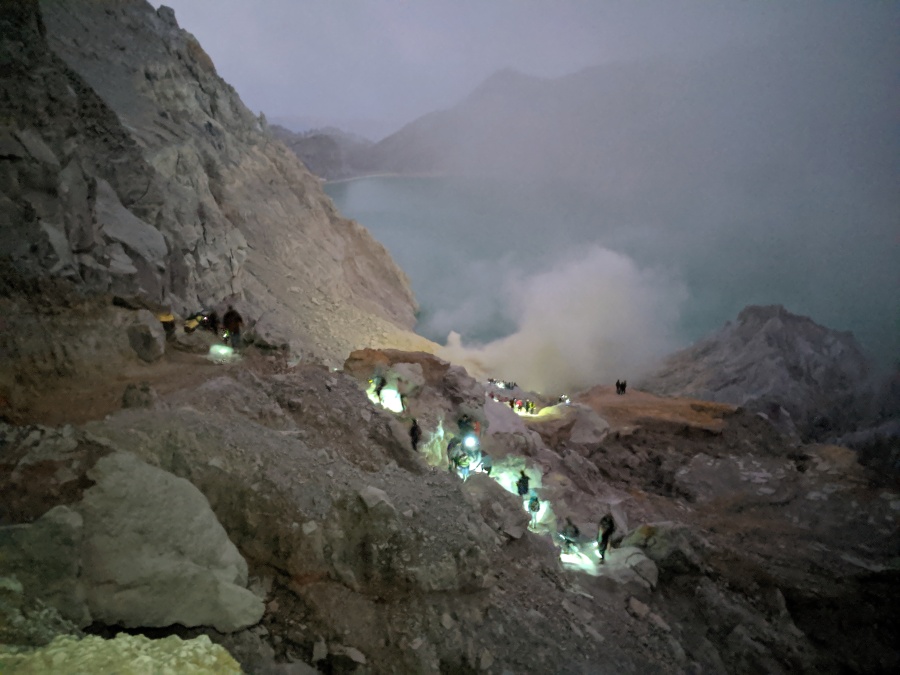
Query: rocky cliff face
[[776, 363], [128, 166]]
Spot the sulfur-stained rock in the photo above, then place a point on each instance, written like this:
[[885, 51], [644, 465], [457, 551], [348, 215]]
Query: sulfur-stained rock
[[125, 654]]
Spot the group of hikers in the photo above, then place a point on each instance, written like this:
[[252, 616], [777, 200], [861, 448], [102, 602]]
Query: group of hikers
[[620, 386], [515, 404], [230, 325], [464, 456], [570, 534]]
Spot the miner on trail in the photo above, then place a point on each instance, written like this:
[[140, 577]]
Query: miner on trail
[[570, 534], [607, 527], [522, 483], [415, 433], [232, 322]]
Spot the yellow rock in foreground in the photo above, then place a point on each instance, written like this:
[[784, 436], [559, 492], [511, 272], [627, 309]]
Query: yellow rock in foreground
[[124, 655]]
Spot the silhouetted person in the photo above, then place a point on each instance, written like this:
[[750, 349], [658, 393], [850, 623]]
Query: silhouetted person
[[624, 384], [605, 531], [618, 387], [214, 322], [232, 322], [415, 433], [570, 534], [522, 483], [379, 385]]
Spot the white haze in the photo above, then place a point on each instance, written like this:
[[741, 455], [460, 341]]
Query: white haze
[[596, 318]]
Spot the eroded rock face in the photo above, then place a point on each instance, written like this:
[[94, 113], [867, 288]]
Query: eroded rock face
[[772, 361]]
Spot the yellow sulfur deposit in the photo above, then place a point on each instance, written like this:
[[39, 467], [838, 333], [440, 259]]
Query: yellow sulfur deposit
[[124, 655]]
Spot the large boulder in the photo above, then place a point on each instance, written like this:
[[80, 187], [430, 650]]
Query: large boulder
[[147, 336], [672, 546], [155, 554]]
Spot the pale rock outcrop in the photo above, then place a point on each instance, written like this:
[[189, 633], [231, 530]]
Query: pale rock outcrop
[[155, 555], [672, 546], [767, 360]]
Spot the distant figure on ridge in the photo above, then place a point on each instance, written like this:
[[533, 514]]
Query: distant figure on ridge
[[618, 386], [232, 322], [624, 384]]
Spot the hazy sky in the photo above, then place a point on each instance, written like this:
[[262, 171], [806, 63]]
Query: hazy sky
[[373, 65]]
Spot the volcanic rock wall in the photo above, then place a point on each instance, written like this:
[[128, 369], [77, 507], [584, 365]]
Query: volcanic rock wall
[[128, 166]]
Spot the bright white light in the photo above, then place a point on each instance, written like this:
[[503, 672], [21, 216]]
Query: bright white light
[[390, 399], [220, 353], [470, 441]]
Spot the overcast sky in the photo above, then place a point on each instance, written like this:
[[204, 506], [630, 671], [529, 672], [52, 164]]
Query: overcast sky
[[373, 65]]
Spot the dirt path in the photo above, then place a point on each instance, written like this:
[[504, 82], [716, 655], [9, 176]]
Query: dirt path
[[626, 411], [79, 400]]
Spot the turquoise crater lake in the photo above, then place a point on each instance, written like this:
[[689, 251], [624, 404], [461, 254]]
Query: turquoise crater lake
[[466, 243]]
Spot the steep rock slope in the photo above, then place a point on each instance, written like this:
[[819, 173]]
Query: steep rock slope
[[130, 166], [773, 361], [742, 553]]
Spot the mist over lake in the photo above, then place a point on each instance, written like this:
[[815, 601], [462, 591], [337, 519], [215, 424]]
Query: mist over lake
[[475, 248]]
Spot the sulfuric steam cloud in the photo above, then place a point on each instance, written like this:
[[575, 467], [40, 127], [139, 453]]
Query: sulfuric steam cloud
[[587, 321]]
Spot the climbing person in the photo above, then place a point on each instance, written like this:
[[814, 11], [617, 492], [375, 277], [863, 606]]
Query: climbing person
[[462, 465], [232, 322], [604, 532], [454, 450], [415, 433], [522, 483], [380, 381], [534, 506], [570, 534]]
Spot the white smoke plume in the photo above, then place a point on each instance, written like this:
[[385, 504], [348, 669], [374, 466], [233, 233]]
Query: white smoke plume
[[587, 321]]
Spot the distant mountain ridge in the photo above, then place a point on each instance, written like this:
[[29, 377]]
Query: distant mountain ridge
[[775, 362], [329, 152]]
